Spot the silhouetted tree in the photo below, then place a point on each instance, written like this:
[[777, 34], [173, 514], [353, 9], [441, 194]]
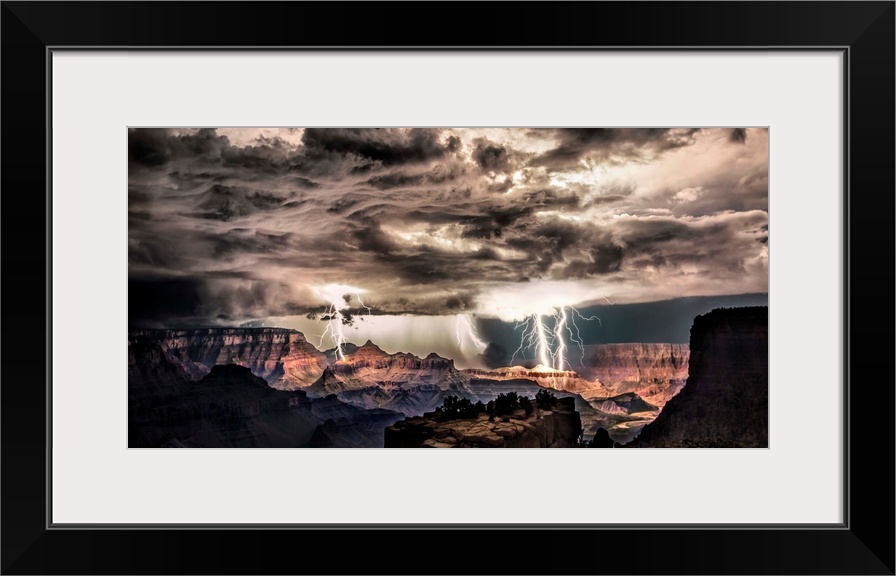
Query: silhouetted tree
[[526, 405], [454, 408], [506, 403], [545, 400]]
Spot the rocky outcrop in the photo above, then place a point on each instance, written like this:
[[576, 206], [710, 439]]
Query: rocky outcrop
[[655, 372], [228, 408], [628, 403], [625, 384], [559, 427], [284, 358], [725, 401], [231, 407], [363, 366], [150, 372], [564, 380]]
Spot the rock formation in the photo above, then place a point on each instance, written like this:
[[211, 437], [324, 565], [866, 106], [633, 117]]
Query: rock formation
[[655, 372], [284, 358], [564, 380], [559, 427], [725, 401], [231, 407], [620, 387], [626, 385], [363, 366]]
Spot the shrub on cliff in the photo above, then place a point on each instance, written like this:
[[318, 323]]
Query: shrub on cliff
[[454, 408], [506, 403], [545, 400]]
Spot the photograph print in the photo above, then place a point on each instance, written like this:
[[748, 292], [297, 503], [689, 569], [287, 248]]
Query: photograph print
[[594, 287]]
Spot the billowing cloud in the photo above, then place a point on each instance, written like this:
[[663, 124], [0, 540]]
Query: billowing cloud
[[233, 225], [614, 144]]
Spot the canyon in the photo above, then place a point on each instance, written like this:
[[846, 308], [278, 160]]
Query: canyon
[[230, 407], [284, 358], [617, 387]]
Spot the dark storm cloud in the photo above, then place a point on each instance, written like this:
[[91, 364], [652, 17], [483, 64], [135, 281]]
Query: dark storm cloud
[[495, 355], [630, 143], [241, 241], [226, 202], [490, 156], [606, 258], [430, 221], [493, 223], [302, 182], [459, 302], [548, 198], [695, 243], [148, 147], [154, 147], [438, 175], [154, 301], [371, 238], [738, 135], [386, 145], [261, 158]]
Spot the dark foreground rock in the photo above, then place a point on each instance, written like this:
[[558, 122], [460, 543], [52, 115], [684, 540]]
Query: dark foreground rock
[[559, 427], [230, 407], [725, 401]]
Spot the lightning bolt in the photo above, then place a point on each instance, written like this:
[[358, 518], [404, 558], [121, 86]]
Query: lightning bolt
[[464, 331], [334, 330], [338, 297], [363, 305], [535, 336], [543, 346], [559, 324], [550, 346]]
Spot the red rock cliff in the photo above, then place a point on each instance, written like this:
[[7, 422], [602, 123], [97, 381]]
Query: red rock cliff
[[282, 357]]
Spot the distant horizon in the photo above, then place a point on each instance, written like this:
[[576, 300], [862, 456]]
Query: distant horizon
[[632, 323]]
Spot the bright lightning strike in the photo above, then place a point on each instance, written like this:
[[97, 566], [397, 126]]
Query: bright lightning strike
[[534, 337], [466, 333], [559, 324], [550, 346], [339, 297]]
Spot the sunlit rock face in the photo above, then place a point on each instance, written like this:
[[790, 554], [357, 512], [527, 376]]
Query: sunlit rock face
[[655, 372], [363, 366], [626, 385], [619, 387], [564, 380], [725, 400], [559, 427], [284, 358]]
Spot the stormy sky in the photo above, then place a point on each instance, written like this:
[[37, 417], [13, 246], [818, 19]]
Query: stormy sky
[[235, 225]]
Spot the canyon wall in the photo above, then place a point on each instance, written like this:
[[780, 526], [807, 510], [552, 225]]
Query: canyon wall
[[230, 407], [284, 358], [725, 400], [655, 372]]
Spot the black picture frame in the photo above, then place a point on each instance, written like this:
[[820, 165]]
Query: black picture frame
[[864, 31]]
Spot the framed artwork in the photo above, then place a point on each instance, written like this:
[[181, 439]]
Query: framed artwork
[[332, 245]]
